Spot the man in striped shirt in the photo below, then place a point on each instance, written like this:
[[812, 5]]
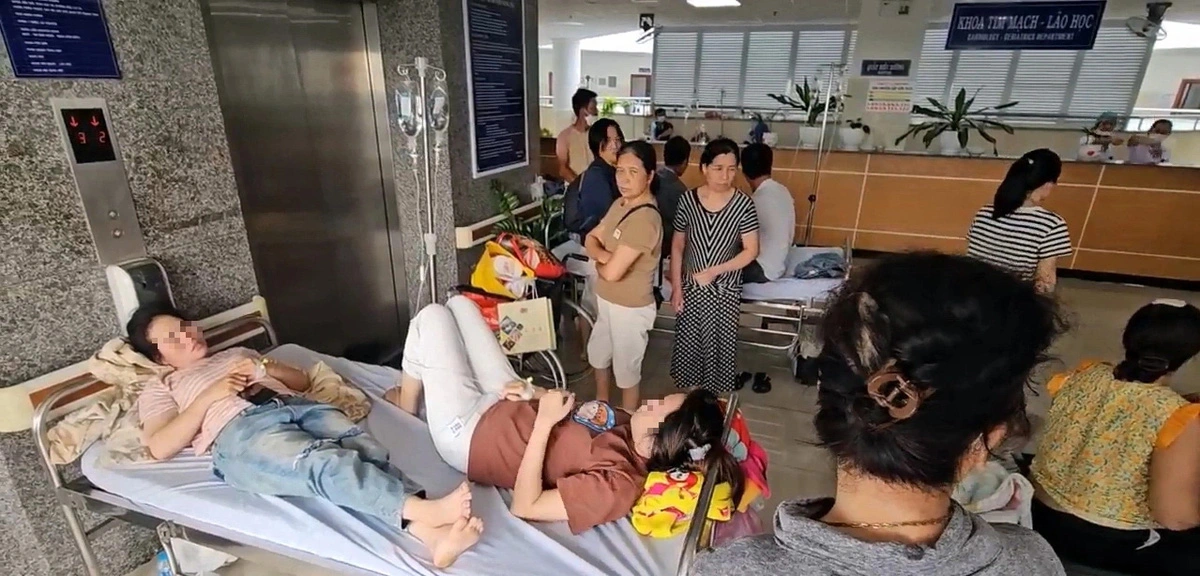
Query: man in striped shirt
[[267, 439]]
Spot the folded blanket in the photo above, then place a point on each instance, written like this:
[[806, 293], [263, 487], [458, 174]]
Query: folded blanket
[[114, 417]]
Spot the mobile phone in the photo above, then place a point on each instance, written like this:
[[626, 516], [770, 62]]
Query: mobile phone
[[257, 394]]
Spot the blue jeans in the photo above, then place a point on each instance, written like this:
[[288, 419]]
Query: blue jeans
[[295, 447]]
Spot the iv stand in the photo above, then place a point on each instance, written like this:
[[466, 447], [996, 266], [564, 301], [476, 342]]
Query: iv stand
[[836, 69], [424, 118]]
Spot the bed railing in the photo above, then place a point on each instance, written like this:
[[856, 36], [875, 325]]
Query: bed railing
[[221, 335], [699, 534]]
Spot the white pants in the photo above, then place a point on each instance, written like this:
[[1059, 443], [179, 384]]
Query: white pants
[[451, 350], [619, 340]]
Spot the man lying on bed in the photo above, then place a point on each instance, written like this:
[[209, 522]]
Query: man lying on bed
[[268, 440], [584, 464]]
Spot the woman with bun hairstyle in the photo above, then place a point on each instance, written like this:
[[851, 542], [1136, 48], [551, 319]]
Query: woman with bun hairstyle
[[1015, 232], [1117, 472], [923, 371]]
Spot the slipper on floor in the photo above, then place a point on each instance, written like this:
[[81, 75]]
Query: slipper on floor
[[741, 380], [762, 383]]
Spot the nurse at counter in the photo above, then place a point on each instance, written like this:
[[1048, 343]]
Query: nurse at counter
[[1149, 148], [1098, 142], [661, 129]]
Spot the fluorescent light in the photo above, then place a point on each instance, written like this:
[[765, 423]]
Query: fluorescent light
[[568, 23], [714, 3]]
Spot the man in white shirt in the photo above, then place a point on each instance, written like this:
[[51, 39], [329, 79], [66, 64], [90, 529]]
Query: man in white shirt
[[776, 216]]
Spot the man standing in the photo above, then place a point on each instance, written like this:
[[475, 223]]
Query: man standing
[[776, 216], [571, 147], [676, 153]]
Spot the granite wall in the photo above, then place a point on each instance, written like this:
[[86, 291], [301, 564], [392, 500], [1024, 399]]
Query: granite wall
[[55, 306]]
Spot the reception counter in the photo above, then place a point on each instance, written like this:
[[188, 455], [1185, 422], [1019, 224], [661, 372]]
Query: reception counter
[[1123, 219]]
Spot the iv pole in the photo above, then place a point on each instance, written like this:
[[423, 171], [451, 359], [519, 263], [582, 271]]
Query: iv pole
[[419, 118], [836, 70]]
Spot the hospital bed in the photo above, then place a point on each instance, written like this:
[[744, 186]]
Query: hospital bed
[[181, 498]]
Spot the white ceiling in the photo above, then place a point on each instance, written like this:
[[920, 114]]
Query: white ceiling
[[589, 18]]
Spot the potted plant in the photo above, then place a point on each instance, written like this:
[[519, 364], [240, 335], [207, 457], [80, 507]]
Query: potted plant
[[507, 202], [813, 104], [952, 126], [853, 133], [608, 107]]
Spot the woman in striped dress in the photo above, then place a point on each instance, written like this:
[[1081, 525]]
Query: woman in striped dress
[[1015, 232], [716, 235]]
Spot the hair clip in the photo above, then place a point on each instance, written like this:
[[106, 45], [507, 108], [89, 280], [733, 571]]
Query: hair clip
[[901, 398], [699, 453], [1153, 363], [1177, 303]]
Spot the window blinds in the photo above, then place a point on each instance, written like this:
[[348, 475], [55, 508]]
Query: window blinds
[[675, 68]]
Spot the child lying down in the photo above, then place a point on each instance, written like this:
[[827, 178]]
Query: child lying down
[[268, 440]]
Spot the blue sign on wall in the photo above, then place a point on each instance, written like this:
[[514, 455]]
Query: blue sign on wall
[[58, 39], [886, 67], [495, 31], [1025, 25]]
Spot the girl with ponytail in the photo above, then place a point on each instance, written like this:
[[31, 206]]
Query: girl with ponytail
[[1015, 232], [1118, 467]]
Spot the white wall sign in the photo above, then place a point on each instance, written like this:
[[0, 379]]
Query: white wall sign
[[893, 96], [495, 35]]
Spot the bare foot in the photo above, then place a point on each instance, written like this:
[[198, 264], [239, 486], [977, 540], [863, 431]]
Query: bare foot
[[462, 535], [452, 507]]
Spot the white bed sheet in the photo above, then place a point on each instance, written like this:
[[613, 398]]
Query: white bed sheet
[[185, 489]]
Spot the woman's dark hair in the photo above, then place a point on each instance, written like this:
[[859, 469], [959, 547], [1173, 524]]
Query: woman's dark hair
[[1159, 338], [598, 134], [962, 334], [699, 421], [660, 111], [1170, 125], [719, 147], [1030, 172], [756, 160], [648, 157], [139, 324], [676, 151]]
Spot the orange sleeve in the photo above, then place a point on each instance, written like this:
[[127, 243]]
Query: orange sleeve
[[1056, 383], [1175, 425]]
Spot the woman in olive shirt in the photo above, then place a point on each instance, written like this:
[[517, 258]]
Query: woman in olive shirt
[[626, 247]]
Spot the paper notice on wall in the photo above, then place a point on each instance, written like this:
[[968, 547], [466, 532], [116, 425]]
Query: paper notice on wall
[[893, 96]]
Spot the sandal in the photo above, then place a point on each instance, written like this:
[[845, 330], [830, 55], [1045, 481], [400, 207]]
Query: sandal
[[740, 381], [762, 383]]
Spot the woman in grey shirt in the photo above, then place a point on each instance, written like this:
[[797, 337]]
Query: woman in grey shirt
[[923, 372]]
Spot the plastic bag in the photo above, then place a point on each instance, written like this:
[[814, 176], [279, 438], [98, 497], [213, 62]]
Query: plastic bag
[[741, 525], [500, 272], [532, 255]]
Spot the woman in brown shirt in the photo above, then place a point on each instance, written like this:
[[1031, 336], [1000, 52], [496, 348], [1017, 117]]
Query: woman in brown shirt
[[583, 464], [626, 247]]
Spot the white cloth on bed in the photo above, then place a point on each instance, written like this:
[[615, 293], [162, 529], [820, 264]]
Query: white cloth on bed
[[184, 490]]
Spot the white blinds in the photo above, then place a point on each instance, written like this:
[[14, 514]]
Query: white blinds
[[1111, 74], [768, 56], [815, 50], [675, 68], [1081, 83], [720, 68], [747, 63]]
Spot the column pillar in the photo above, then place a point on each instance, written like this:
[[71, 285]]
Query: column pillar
[[887, 30], [567, 66]]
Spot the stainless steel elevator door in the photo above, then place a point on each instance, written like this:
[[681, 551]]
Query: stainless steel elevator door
[[295, 85]]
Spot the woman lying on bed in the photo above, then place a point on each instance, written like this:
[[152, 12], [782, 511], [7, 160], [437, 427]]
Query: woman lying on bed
[[268, 440], [586, 465]]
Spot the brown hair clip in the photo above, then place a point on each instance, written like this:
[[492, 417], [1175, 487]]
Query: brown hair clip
[[893, 391]]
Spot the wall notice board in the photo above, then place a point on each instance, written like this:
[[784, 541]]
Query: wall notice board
[[58, 39], [495, 36]]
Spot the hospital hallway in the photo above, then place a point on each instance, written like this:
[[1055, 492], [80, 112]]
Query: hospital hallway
[[782, 419]]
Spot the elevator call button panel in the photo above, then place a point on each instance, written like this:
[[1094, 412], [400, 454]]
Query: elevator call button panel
[[88, 133]]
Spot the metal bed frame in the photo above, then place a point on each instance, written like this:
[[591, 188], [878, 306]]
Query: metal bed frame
[[796, 313], [80, 494]]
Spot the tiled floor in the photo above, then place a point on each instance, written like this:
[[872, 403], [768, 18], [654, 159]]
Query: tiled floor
[[782, 419]]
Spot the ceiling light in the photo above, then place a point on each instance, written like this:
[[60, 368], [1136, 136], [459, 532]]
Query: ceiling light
[[714, 3], [568, 23]]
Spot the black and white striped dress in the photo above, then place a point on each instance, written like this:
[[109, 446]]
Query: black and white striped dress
[[1020, 240], [705, 352]]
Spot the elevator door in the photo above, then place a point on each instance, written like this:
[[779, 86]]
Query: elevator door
[[295, 81]]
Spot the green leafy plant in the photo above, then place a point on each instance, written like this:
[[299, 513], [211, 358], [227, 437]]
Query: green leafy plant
[[808, 100], [507, 203], [961, 119], [608, 106], [858, 124]]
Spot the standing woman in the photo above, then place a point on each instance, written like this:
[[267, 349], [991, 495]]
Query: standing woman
[[1015, 232], [716, 235], [626, 247]]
